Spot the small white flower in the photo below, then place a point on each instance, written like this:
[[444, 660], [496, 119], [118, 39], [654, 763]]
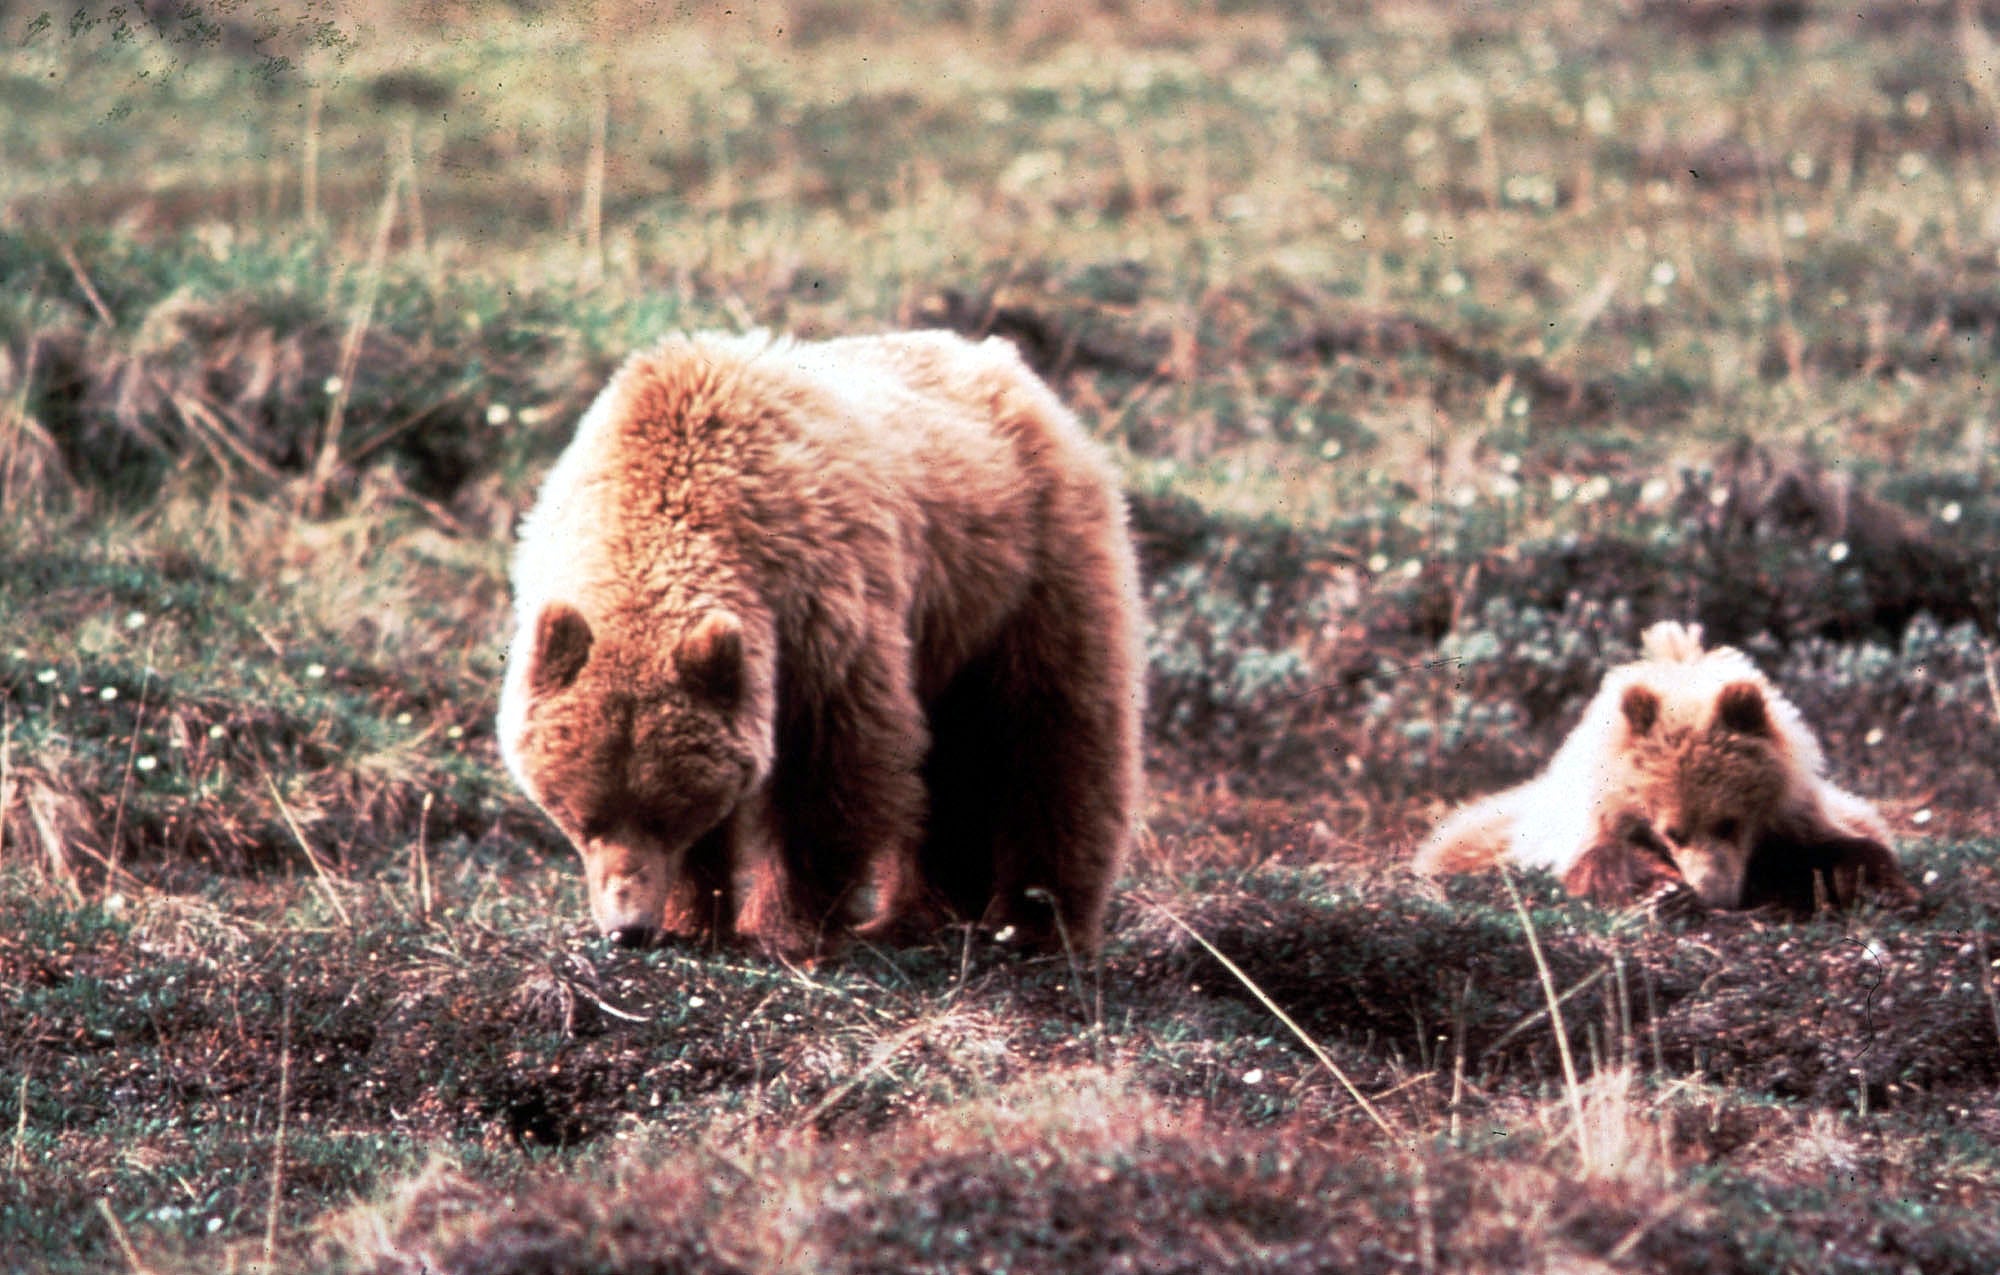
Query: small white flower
[[216, 731], [1837, 551], [498, 414], [455, 732], [1801, 166], [108, 693], [213, 1225], [1453, 284], [1561, 486], [1598, 114], [135, 620], [1916, 104], [1655, 491], [1663, 274], [403, 719], [1873, 737], [333, 386], [1254, 1076], [315, 671], [1006, 934], [1922, 817], [1330, 449], [46, 677], [1510, 463], [1506, 486], [147, 762], [1951, 512], [1911, 166], [1378, 562], [696, 1002]]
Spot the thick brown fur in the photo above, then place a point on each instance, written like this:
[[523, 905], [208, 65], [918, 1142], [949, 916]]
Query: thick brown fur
[[1690, 781], [818, 636]]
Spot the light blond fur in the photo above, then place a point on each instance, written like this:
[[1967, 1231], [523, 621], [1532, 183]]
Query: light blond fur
[[1694, 752]]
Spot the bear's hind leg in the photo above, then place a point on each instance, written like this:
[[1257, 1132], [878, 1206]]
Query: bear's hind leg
[[1035, 778]]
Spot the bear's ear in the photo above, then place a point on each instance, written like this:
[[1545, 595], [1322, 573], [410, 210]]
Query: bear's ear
[[562, 648], [710, 657], [1641, 706], [1741, 709]]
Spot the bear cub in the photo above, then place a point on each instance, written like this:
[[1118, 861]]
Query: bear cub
[[822, 637], [1689, 782]]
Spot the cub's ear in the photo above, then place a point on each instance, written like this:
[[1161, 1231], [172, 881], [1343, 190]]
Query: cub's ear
[[1741, 709], [562, 648], [1641, 706], [710, 656]]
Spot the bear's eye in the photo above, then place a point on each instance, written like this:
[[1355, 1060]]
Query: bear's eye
[[1726, 829]]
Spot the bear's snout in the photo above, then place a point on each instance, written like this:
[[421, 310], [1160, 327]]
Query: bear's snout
[[1714, 871], [628, 876]]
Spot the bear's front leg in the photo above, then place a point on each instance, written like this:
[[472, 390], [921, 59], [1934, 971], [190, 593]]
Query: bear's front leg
[[1802, 864], [1630, 866], [760, 881], [700, 902], [849, 799]]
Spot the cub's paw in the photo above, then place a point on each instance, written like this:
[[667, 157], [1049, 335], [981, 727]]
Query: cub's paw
[[1671, 900], [1631, 867]]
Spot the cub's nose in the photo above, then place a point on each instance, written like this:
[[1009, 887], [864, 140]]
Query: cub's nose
[[634, 935]]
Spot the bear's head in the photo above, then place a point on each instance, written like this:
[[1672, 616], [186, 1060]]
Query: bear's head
[[640, 748], [1713, 786]]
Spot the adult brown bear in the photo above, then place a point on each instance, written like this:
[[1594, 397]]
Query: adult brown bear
[[822, 636]]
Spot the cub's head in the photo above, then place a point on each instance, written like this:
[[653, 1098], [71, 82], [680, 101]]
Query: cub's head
[[1712, 789], [637, 749]]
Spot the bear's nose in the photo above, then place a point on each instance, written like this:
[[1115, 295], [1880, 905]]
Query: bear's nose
[[633, 935]]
